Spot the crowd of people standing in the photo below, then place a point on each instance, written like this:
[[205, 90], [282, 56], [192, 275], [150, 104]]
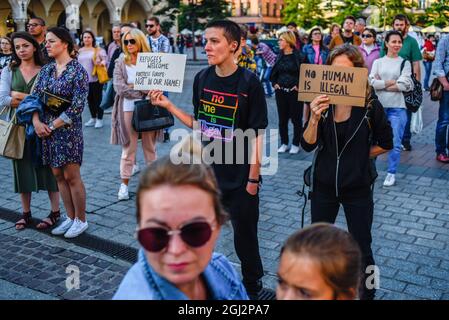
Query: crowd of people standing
[[181, 208]]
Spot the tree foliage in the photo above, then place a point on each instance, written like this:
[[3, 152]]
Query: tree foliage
[[204, 10], [305, 13]]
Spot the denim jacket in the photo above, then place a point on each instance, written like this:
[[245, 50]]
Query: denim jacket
[[309, 52], [143, 283], [441, 63]]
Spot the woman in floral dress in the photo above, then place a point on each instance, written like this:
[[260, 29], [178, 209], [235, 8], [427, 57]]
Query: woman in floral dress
[[61, 132]]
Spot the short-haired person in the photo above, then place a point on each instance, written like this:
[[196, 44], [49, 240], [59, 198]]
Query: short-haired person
[[91, 55], [239, 103], [61, 130], [179, 217], [360, 26], [369, 48], [346, 138], [6, 56], [441, 67], [285, 78], [390, 82], [122, 132], [36, 27], [347, 36], [158, 42], [319, 262], [410, 51]]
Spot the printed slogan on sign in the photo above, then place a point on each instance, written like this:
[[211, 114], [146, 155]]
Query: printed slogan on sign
[[343, 85], [160, 71]]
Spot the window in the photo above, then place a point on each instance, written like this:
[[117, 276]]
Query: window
[[268, 9]]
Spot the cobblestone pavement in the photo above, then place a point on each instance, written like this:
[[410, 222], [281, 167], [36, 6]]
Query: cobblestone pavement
[[410, 230]]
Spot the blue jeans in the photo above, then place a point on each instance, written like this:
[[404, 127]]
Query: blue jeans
[[442, 130], [266, 80], [428, 68], [398, 120], [407, 133]]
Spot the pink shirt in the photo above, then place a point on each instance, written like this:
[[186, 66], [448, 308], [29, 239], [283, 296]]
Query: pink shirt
[[318, 59]]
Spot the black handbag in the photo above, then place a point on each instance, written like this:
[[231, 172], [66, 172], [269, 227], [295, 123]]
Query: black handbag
[[147, 117], [413, 99], [55, 104]]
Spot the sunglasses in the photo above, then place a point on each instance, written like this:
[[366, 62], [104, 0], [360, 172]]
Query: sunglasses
[[367, 35], [316, 34], [149, 25], [130, 41], [194, 234], [34, 25]]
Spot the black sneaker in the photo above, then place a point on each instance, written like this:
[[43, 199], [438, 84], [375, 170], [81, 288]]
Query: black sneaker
[[406, 146], [166, 136]]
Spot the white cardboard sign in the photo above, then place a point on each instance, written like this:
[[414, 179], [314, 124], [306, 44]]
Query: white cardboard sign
[[160, 71]]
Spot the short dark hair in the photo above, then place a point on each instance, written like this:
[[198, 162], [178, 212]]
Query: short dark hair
[[155, 19], [372, 31], [350, 51], [292, 24], [42, 21], [231, 30], [244, 31], [389, 35], [94, 41], [350, 18], [401, 17], [255, 40]]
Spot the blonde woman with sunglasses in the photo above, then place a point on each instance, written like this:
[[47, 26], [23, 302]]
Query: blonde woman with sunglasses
[[122, 133]]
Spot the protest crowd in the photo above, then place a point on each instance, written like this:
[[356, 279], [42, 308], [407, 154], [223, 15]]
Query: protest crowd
[[48, 78]]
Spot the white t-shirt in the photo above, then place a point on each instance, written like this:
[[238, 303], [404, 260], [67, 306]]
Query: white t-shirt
[[128, 104]]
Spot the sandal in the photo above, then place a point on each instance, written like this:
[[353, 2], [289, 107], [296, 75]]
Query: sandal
[[24, 221], [53, 217]]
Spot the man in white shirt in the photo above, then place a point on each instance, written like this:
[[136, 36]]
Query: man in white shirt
[[158, 42]]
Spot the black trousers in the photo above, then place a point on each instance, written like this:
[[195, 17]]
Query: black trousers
[[244, 211], [94, 99], [359, 218], [289, 108]]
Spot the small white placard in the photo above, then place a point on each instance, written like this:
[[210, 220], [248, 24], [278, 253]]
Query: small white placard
[[160, 71]]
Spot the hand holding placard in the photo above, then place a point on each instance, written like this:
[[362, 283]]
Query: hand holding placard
[[160, 71], [343, 85]]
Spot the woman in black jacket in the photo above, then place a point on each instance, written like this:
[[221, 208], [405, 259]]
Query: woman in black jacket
[[348, 138], [285, 78]]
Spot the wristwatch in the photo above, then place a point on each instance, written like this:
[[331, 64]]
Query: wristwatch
[[52, 127]]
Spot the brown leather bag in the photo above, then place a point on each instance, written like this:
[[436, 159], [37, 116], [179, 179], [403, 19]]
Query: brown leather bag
[[436, 90]]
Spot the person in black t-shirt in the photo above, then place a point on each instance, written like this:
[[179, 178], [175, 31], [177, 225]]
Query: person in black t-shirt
[[225, 98]]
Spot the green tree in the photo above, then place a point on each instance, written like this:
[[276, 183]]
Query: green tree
[[305, 13], [348, 8], [202, 11], [437, 14]]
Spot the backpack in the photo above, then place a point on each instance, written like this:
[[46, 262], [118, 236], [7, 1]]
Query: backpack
[[413, 98]]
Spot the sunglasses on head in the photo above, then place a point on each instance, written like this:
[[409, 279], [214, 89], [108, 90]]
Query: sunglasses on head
[[149, 25], [194, 234], [367, 35], [130, 41]]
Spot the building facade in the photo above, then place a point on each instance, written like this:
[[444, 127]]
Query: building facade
[[261, 13], [96, 15]]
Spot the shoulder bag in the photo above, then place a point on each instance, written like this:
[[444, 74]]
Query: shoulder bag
[[12, 138], [147, 117], [413, 98], [436, 89]]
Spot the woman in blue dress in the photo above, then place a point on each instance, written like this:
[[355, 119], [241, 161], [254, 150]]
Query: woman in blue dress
[[61, 130]]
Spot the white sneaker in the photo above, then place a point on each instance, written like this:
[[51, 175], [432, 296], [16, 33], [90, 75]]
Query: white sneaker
[[99, 123], [63, 227], [76, 229], [136, 169], [294, 149], [91, 122], [123, 193], [390, 180], [283, 148]]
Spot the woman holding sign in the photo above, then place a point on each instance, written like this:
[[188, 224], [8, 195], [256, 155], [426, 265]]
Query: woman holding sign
[[391, 76], [122, 132], [285, 77], [346, 138]]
